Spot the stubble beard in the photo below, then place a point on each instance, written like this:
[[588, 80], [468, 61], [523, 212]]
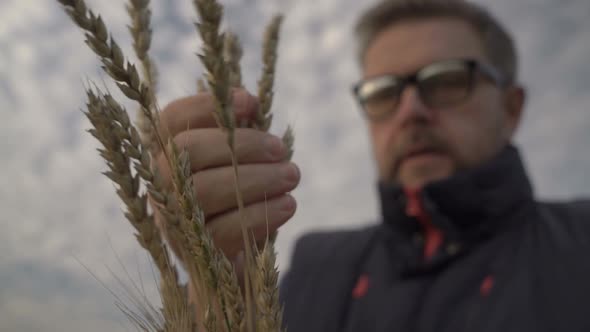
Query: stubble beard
[[416, 139]]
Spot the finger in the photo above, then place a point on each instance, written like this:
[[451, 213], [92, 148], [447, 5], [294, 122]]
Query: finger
[[197, 112], [208, 147], [216, 192], [261, 220]]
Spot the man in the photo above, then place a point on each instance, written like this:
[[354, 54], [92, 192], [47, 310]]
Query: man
[[463, 245]]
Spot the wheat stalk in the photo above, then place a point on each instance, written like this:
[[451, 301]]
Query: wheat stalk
[[270, 312], [129, 82], [127, 78], [217, 75], [211, 273]]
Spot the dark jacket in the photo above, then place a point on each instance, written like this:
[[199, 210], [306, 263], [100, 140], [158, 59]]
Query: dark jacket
[[499, 261]]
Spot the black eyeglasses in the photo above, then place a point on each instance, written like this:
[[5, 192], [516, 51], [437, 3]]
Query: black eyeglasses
[[441, 84]]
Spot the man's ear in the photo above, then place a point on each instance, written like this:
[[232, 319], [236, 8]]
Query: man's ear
[[515, 102]]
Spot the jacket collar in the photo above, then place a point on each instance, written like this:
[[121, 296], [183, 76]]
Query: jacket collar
[[468, 205]]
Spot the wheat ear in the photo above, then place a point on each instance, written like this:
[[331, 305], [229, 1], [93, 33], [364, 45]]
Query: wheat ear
[[196, 244], [289, 140], [232, 54], [269, 312], [205, 257], [231, 295], [201, 86], [141, 33], [121, 145], [124, 73], [265, 84], [217, 73]]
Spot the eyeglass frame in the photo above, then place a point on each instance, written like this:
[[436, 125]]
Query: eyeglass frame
[[474, 67]]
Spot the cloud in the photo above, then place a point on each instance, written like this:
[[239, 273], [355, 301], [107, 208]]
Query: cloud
[[43, 297]]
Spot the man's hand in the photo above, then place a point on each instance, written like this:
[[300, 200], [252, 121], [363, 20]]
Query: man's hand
[[265, 178]]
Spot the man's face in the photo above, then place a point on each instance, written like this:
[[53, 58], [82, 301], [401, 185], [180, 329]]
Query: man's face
[[417, 144]]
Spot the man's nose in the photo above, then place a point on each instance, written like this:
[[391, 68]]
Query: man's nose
[[411, 108]]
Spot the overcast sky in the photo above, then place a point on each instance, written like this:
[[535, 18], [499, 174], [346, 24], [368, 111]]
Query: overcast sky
[[59, 213]]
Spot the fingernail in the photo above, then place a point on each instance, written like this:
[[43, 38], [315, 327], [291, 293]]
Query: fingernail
[[275, 146], [288, 204], [291, 172]]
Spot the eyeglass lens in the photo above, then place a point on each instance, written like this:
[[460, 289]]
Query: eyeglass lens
[[437, 89]]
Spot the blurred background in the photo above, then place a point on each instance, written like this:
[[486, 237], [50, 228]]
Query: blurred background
[[61, 222]]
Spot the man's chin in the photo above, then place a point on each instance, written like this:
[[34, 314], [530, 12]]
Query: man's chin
[[418, 173]]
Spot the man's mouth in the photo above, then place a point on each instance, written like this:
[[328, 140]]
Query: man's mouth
[[421, 152], [421, 155]]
